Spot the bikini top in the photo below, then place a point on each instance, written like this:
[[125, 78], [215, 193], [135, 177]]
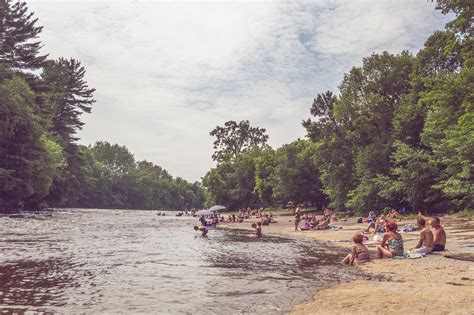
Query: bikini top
[[395, 244]]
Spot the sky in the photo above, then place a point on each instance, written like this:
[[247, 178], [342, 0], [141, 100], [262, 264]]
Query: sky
[[167, 73]]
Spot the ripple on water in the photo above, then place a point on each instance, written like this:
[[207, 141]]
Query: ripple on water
[[133, 261]]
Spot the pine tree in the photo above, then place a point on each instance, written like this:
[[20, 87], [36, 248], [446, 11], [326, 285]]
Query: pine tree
[[19, 44]]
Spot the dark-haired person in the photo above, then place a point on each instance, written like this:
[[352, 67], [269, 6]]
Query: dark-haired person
[[425, 244], [392, 242], [258, 229], [439, 240], [203, 230], [359, 254]]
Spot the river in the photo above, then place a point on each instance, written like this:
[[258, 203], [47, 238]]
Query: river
[[109, 261]]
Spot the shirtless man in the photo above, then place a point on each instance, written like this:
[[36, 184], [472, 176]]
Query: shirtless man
[[439, 240], [202, 229], [425, 245]]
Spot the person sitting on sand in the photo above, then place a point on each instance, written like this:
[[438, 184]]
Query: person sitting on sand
[[425, 244], [323, 224], [393, 214], [376, 224], [439, 240], [359, 254], [392, 242], [203, 229], [380, 225]]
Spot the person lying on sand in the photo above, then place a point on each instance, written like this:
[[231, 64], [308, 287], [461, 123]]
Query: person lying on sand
[[439, 240], [203, 229], [425, 244], [359, 254], [392, 242]]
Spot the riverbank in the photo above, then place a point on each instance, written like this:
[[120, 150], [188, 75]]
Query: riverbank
[[442, 283]]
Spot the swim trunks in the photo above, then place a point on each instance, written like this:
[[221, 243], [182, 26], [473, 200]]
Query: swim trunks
[[423, 250], [438, 248]]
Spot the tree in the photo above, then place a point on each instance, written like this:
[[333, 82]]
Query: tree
[[296, 175], [19, 47], [235, 138], [70, 96], [29, 160]]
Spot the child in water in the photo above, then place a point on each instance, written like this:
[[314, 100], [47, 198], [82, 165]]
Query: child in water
[[258, 229], [202, 229]]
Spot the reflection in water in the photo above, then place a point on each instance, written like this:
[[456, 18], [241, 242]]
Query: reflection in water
[[134, 261]]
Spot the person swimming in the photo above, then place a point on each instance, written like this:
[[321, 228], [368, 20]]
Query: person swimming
[[203, 229]]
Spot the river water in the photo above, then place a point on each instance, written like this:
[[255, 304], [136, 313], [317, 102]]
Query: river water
[[129, 261]]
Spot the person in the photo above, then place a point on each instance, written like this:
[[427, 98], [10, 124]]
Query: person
[[425, 244], [297, 218], [439, 240], [203, 229], [371, 220], [359, 254], [202, 219], [393, 214], [392, 242], [258, 229]]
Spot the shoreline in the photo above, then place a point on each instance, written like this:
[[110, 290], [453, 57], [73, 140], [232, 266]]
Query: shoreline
[[441, 283]]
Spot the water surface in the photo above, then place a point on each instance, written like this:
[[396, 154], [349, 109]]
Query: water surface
[[106, 261]]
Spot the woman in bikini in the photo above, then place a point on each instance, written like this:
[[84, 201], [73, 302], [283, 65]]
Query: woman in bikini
[[359, 254], [392, 242]]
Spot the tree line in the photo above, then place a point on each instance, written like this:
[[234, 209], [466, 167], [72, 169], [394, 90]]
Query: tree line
[[399, 133], [41, 163]]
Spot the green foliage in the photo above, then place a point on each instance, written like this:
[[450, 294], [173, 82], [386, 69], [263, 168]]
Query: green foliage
[[19, 47], [235, 138], [400, 133]]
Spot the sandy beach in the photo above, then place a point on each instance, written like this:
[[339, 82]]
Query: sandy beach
[[442, 283]]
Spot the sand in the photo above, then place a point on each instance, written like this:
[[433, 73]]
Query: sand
[[442, 283]]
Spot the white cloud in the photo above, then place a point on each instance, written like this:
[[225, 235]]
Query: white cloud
[[166, 73]]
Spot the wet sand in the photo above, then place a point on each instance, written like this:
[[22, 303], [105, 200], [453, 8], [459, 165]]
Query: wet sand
[[442, 283]]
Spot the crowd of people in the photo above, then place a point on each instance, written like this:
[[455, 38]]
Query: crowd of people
[[257, 215], [391, 243]]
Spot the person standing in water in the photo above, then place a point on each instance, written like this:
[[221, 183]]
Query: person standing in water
[[203, 229], [297, 218], [258, 229]]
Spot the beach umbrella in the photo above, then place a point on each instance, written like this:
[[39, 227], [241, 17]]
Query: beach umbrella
[[216, 208], [203, 212]]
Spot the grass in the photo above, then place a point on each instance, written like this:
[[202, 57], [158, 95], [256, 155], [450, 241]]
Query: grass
[[410, 216], [466, 213]]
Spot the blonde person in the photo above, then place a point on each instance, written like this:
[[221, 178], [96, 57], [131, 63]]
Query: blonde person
[[359, 253]]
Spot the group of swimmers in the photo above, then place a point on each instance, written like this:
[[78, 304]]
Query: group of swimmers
[[392, 242]]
